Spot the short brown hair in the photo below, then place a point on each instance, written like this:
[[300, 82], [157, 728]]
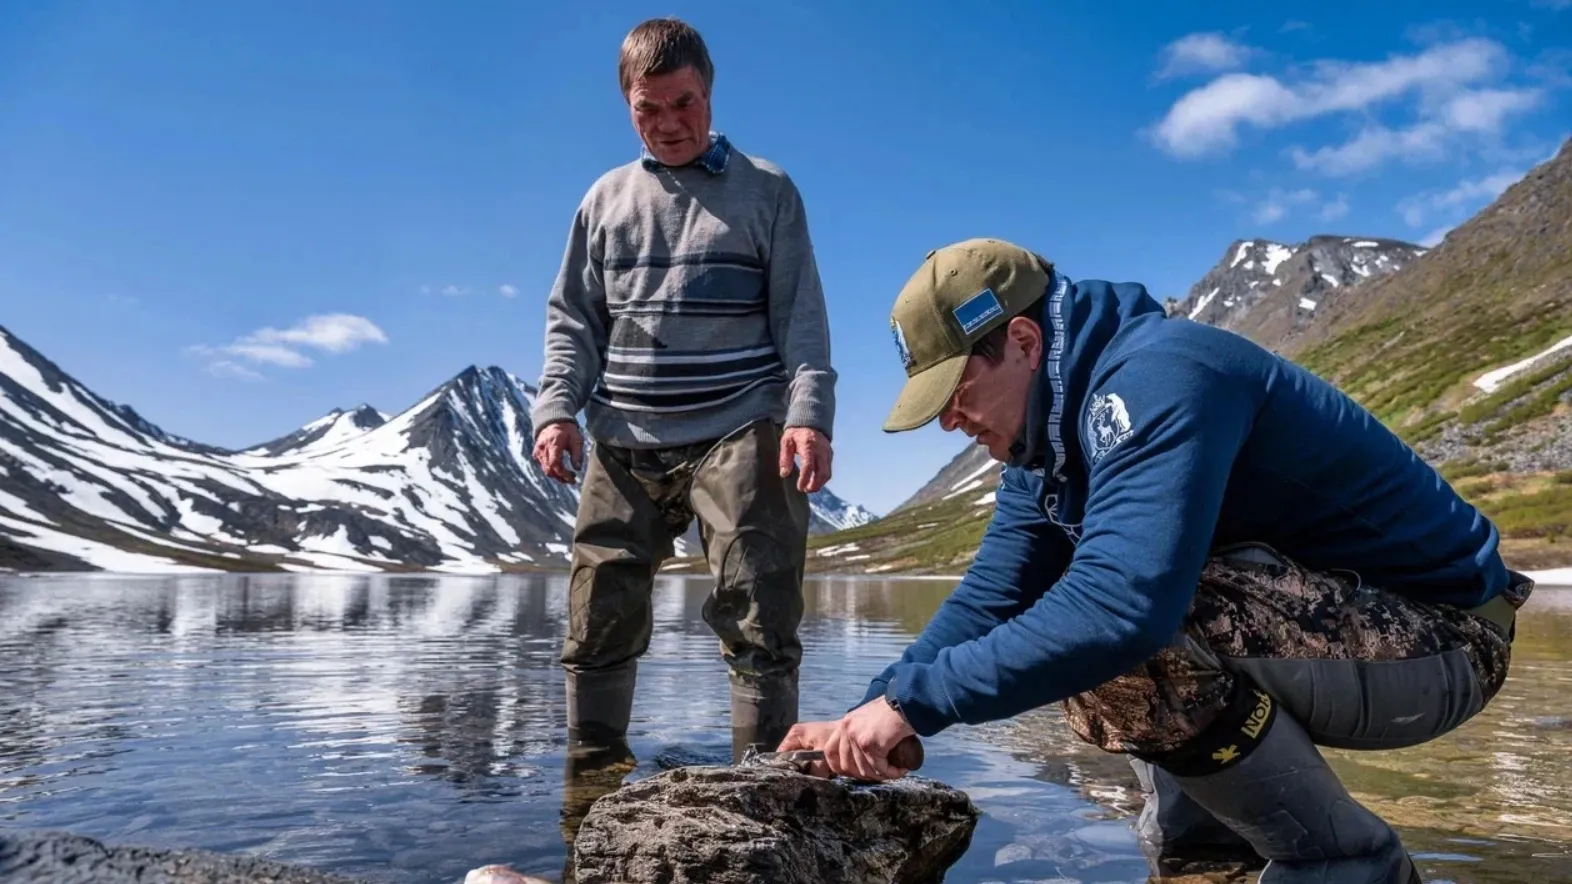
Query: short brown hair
[[662, 46], [991, 345]]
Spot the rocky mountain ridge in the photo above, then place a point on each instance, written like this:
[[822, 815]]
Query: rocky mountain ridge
[[447, 484], [1270, 292], [1464, 349]]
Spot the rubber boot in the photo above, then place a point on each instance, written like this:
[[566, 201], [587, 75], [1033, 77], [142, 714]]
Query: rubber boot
[[590, 771], [1276, 790], [1179, 837], [762, 711], [600, 703]]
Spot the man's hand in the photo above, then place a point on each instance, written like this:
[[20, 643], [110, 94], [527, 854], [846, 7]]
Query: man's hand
[[858, 745], [814, 449], [563, 436]]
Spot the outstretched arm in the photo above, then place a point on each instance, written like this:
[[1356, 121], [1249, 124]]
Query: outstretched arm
[[1020, 556], [1151, 512]]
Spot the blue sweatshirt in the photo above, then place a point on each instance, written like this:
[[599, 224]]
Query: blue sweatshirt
[[1149, 442]]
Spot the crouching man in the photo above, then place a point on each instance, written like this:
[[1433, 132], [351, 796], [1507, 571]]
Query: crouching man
[[1198, 549]]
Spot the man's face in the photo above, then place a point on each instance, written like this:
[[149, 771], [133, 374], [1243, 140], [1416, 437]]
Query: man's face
[[671, 113], [989, 404]]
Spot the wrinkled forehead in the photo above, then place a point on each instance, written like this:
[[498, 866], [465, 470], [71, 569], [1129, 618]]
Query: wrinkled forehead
[[676, 89]]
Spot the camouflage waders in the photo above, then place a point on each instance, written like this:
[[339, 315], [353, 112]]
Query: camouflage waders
[[753, 525], [1273, 660]]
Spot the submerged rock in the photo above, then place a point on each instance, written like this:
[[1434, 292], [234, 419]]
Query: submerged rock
[[62, 858], [757, 824]]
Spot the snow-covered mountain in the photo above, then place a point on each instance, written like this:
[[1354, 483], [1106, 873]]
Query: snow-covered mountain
[[1270, 291], [972, 472], [447, 484], [332, 429]]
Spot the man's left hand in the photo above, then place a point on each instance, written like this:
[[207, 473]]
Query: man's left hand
[[814, 449]]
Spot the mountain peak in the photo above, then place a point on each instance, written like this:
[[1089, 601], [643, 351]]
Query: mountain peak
[[1270, 291]]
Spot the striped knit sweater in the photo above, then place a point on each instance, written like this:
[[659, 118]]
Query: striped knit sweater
[[687, 305]]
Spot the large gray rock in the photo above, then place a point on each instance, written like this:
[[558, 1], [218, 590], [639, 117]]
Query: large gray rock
[[62, 858], [757, 824]]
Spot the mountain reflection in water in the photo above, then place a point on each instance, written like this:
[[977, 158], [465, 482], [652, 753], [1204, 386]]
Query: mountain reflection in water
[[406, 729]]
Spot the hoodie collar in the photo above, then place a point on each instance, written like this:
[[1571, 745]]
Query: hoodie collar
[[1079, 319], [1032, 449]]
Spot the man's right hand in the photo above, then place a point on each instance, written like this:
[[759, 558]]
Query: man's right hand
[[563, 436]]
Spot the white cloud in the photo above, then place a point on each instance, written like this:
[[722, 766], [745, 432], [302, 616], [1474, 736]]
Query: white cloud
[[1373, 146], [1335, 209], [225, 368], [329, 332], [333, 332], [1553, 4], [1486, 110], [508, 291], [1202, 53], [1279, 203], [1465, 197], [267, 354], [1208, 119]]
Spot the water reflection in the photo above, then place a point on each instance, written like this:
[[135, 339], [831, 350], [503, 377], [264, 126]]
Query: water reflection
[[406, 729]]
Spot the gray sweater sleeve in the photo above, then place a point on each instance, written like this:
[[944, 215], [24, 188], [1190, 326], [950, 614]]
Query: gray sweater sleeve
[[576, 321], [797, 315]]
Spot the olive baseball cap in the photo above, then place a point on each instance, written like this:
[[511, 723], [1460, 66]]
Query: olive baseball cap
[[959, 294]]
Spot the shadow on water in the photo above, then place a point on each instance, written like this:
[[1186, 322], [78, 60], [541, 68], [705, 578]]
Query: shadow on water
[[407, 729]]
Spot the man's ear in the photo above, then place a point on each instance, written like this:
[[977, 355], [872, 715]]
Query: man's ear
[[1026, 334]]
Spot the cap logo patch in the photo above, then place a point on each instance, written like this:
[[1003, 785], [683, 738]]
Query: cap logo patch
[[977, 310], [900, 344]]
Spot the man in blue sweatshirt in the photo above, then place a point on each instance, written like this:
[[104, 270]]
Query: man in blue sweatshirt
[[1198, 549]]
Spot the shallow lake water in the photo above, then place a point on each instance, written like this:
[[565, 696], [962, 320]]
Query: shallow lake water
[[407, 729]]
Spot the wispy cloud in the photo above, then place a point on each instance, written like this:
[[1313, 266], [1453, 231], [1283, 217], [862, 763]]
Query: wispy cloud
[[1466, 196], [1294, 24], [1335, 209], [226, 368], [281, 347], [1207, 52], [1445, 87], [507, 291], [1280, 203], [450, 290], [1557, 5]]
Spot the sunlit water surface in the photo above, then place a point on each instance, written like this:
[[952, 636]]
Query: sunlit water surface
[[407, 729]]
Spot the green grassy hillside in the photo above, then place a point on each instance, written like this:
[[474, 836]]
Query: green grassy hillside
[[1409, 347]]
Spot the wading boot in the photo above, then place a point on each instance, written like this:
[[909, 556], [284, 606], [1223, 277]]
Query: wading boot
[[590, 771], [600, 702], [762, 711], [1179, 838], [1257, 771]]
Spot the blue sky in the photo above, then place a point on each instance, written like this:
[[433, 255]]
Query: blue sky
[[236, 216]]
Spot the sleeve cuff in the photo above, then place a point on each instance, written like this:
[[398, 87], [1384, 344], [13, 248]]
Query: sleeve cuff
[[550, 412], [924, 706], [810, 414]]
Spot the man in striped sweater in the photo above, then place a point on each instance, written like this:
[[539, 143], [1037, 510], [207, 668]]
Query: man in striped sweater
[[688, 323]]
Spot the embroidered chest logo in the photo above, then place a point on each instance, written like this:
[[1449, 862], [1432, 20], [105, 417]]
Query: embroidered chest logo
[[900, 344], [1107, 424]]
